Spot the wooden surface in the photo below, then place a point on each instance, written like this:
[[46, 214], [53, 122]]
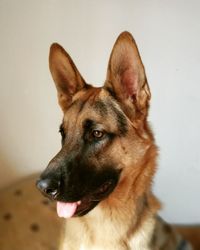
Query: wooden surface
[[28, 221]]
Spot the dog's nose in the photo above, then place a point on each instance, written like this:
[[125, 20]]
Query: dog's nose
[[49, 187]]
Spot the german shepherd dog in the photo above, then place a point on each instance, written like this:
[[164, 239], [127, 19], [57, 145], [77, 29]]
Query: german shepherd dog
[[101, 178]]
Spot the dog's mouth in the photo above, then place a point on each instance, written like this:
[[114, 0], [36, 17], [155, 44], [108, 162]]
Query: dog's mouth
[[87, 203]]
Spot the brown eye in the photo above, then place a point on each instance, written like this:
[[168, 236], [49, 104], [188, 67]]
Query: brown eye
[[97, 134]]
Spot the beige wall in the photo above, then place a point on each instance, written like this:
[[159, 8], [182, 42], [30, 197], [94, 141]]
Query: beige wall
[[167, 33]]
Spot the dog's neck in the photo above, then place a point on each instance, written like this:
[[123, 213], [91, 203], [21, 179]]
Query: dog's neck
[[110, 215], [94, 229]]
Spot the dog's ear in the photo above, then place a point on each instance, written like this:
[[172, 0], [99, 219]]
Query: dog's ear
[[66, 76], [126, 78]]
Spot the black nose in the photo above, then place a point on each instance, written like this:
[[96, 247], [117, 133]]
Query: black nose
[[49, 187]]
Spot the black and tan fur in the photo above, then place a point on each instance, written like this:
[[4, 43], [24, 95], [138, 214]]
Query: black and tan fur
[[108, 156]]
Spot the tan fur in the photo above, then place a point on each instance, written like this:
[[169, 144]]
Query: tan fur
[[127, 218]]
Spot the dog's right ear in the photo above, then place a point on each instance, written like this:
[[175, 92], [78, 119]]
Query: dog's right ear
[[66, 76], [126, 78]]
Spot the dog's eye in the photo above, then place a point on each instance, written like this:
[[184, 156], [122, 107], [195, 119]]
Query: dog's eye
[[97, 134]]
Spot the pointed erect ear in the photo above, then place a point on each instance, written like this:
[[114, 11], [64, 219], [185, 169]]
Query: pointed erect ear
[[67, 78], [126, 76]]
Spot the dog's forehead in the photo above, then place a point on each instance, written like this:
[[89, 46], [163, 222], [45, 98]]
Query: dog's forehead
[[90, 102], [96, 104]]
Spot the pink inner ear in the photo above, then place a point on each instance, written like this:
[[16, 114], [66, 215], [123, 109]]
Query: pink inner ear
[[130, 82]]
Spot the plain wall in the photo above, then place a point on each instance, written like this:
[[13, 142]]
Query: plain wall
[[168, 36]]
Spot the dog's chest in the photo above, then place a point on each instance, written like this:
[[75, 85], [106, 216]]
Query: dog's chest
[[139, 240]]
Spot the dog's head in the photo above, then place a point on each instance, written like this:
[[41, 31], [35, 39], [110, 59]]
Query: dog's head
[[104, 130]]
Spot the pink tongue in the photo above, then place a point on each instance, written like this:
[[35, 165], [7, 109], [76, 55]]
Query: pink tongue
[[66, 210]]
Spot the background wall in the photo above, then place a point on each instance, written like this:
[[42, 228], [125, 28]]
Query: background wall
[[168, 36]]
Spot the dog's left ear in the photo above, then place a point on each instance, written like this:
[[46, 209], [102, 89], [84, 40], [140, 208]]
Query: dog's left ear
[[66, 76], [126, 78]]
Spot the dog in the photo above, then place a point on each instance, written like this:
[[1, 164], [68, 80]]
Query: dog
[[102, 177]]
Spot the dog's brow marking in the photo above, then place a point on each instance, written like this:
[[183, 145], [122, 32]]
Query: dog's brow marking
[[101, 107], [121, 119], [88, 124]]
